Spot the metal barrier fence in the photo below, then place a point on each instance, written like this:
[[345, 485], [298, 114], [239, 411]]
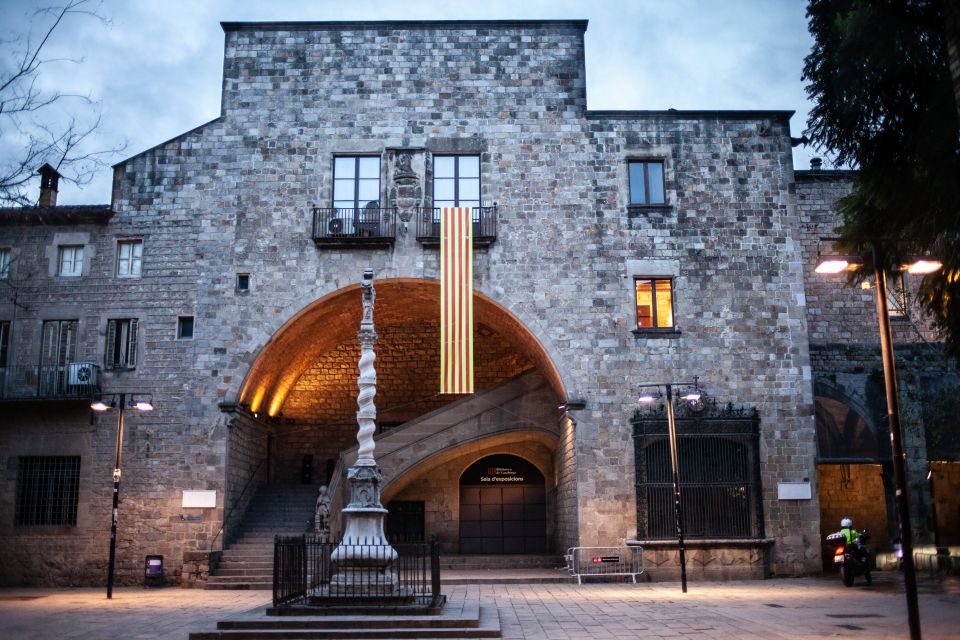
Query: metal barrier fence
[[588, 562], [936, 565], [304, 569]]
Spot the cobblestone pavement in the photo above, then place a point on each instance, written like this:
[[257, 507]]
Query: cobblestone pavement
[[770, 609]]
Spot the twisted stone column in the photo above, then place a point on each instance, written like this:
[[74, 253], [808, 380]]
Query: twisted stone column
[[364, 559]]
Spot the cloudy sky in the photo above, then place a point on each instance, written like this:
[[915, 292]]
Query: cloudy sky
[[154, 67]]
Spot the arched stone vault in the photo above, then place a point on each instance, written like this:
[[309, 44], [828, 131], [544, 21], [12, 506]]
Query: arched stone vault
[[334, 320]]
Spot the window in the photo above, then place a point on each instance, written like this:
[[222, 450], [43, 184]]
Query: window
[[48, 489], [70, 261], [58, 348], [129, 258], [646, 183], [184, 327], [356, 182], [243, 283], [4, 344], [456, 181], [654, 303], [4, 264], [897, 295], [719, 470], [121, 348]]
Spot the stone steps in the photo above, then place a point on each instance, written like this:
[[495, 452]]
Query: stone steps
[[468, 622], [247, 563]]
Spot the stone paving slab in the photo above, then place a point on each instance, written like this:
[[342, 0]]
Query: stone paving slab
[[771, 609]]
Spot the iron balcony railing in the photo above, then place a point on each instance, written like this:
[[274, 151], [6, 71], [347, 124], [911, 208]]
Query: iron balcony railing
[[346, 227], [484, 225], [305, 574], [74, 380]]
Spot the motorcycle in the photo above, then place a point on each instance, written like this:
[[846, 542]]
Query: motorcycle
[[853, 558]]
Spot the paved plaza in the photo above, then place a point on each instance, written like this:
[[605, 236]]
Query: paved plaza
[[770, 609]]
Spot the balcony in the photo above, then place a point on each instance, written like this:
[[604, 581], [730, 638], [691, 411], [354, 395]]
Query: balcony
[[73, 381], [370, 226], [484, 226]]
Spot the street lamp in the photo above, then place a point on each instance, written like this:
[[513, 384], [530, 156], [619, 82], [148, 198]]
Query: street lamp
[[893, 406], [649, 393], [102, 404]]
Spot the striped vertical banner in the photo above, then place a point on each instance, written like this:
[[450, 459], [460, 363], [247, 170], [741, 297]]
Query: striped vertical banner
[[456, 300]]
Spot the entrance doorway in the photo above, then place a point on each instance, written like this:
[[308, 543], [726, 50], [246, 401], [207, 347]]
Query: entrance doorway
[[503, 507]]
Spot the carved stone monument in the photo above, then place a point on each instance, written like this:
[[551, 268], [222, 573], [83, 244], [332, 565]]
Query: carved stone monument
[[364, 559]]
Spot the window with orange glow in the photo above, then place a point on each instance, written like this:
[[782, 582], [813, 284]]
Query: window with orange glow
[[654, 303]]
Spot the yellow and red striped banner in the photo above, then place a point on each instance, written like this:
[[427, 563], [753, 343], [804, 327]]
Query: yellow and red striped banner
[[456, 300]]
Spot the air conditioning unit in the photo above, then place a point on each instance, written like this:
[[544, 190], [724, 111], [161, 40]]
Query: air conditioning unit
[[340, 226], [82, 374]]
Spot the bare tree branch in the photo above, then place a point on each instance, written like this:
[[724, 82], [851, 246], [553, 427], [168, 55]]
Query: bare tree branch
[[33, 130]]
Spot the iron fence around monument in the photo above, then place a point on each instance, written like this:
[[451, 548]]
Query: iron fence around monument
[[304, 573]]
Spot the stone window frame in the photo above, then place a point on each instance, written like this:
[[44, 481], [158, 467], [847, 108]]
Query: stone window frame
[[356, 179], [661, 159], [182, 323], [243, 282], [6, 327], [649, 269], [120, 349], [6, 258], [654, 279], [456, 177], [76, 262], [138, 260]]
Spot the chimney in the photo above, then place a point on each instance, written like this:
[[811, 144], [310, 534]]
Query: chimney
[[49, 179], [816, 164]]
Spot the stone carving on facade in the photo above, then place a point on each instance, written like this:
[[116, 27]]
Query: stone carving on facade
[[406, 184]]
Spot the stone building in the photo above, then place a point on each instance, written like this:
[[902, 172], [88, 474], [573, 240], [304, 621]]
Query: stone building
[[611, 249]]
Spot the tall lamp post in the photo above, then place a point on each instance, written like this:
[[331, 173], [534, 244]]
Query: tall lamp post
[[119, 402], [918, 267], [692, 396]]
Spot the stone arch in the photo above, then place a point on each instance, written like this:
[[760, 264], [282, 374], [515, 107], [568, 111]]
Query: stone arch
[[844, 427], [334, 318], [500, 443]]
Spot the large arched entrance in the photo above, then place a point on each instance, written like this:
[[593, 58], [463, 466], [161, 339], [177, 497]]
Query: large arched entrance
[[302, 388], [852, 467]]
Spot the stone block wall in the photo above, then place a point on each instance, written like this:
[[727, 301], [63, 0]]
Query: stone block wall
[[236, 196]]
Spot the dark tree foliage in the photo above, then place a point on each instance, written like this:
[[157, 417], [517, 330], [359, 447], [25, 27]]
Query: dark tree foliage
[[879, 77]]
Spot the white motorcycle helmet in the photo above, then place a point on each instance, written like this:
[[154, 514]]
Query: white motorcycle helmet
[[846, 523]]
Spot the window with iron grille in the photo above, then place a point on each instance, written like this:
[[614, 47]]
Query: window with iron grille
[[120, 351], [646, 183], [719, 471], [48, 489]]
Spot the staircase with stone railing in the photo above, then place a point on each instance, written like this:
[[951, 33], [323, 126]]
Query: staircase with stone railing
[[247, 563]]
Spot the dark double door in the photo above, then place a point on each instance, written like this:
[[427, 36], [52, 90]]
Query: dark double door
[[501, 515]]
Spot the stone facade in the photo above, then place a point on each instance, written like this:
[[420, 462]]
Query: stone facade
[[847, 368], [268, 373]]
